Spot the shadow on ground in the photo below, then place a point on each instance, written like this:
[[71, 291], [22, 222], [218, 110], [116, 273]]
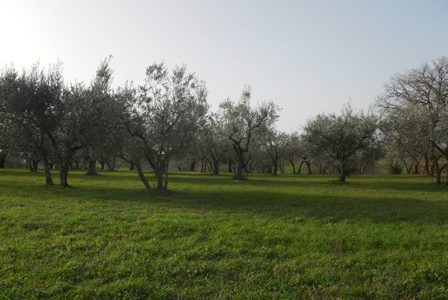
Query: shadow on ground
[[364, 199]]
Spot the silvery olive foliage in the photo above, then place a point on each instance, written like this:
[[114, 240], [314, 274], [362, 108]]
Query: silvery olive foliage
[[244, 123], [165, 115], [166, 122], [341, 136]]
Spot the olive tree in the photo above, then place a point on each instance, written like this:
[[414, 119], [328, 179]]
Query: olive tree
[[31, 103], [296, 153], [105, 139], [242, 123], [341, 136], [275, 144], [89, 120], [425, 87], [165, 116], [214, 142], [74, 130], [5, 121], [407, 135]]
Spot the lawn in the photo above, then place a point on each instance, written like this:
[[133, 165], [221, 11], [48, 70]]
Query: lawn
[[212, 237]]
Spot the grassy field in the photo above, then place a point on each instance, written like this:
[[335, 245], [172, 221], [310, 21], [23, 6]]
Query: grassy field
[[212, 237]]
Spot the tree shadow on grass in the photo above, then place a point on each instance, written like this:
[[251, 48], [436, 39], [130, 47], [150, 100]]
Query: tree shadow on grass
[[307, 199], [399, 183], [378, 209], [374, 183]]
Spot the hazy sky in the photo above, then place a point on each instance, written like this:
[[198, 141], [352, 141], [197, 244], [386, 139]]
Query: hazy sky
[[307, 56]]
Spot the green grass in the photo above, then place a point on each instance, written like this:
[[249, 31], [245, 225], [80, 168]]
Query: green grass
[[213, 237]]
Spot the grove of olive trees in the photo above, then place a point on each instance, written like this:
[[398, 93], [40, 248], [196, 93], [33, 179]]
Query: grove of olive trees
[[50, 124]]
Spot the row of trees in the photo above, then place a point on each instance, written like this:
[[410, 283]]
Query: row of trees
[[166, 121]]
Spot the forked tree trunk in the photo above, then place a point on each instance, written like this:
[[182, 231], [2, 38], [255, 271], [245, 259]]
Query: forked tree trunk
[[308, 165], [293, 165]]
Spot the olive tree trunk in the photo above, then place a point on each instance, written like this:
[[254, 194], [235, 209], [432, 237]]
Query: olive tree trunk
[[63, 174], [239, 171], [48, 176], [343, 171], [91, 169], [215, 167], [142, 177], [2, 159], [293, 165]]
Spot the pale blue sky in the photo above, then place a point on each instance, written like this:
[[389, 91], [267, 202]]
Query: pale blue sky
[[308, 56]]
